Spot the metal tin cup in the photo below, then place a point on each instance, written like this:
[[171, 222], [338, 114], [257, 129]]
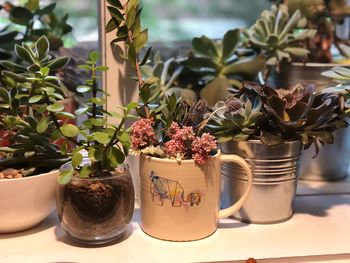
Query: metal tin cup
[[275, 174]]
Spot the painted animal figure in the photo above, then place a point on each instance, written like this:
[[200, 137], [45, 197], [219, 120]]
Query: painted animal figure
[[166, 189]]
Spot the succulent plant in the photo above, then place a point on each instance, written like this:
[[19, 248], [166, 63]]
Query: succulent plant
[[276, 36], [29, 17], [162, 77], [24, 108], [280, 115], [322, 16], [235, 118], [219, 65]]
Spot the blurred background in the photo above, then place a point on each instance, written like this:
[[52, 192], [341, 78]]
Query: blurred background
[[167, 20]]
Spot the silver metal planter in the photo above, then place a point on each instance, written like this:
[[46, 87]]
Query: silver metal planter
[[275, 172], [332, 162]]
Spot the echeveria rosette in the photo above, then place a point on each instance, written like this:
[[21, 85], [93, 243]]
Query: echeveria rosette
[[228, 121], [300, 114]]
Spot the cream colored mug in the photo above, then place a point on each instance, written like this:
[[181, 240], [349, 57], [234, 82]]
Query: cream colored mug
[[180, 200]]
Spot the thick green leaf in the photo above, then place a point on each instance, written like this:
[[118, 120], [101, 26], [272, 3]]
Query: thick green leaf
[[115, 3], [77, 158], [102, 68], [111, 25], [141, 40], [85, 171], [145, 94], [42, 47], [56, 107], [35, 99], [83, 89], [115, 13], [230, 42], [69, 130], [95, 154], [98, 121], [132, 55], [205, 46], [21, 15], [24, 54], [65, 176], [81, 111], [4, 94], [101, 137], [94, 56], [116, 156], [42, 125], [65, 115], [123, 136], [58, 63]]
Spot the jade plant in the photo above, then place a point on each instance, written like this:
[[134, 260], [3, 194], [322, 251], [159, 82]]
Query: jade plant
[[29, 100], [29, 22], [275, 116], [276, 35]]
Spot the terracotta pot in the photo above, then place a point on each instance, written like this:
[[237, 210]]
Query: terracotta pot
[[25, 202], [180, 200]]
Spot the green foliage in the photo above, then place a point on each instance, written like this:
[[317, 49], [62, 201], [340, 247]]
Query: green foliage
[[28, 101], [30, 107], [221, 64], [276, 36], [29, 23], [162, 77], [276, 116]]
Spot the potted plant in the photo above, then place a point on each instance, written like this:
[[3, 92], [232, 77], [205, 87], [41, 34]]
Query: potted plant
[[322, 17], [170, 167], [95, 196], [29, 156], [180, 172], [269, 129]]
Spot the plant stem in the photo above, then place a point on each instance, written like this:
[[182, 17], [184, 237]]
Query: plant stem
[[55, 121]]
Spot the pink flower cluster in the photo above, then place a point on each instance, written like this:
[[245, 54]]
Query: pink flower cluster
[[183, 143], [202, 148], [142, 134], [186, 145]]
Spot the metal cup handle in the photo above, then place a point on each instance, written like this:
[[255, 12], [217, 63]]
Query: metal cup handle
[[229, 211]]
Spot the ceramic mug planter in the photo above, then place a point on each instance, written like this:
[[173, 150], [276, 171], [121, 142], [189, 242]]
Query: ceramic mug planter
[[179, 200], [25, 202], [275, 171], [96, 210]]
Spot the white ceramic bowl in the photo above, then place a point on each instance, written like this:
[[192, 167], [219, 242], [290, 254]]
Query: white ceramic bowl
[[25, 202]]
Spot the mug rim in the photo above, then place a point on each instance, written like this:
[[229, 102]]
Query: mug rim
[[168, 160]]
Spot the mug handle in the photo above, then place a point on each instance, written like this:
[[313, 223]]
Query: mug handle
[[229, 211]]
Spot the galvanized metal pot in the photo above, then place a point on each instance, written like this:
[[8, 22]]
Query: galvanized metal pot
[[275, 172], [332, 162]]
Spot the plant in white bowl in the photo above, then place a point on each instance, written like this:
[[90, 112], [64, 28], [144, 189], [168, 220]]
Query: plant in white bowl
[[29, 155]]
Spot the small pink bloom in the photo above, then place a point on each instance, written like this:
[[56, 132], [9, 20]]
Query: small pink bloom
[[143, 134], [202, 148]]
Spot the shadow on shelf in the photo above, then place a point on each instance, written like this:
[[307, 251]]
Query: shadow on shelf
[[318, 205]]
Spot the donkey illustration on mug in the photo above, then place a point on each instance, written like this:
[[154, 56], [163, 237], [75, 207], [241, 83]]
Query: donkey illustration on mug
[[162, 188]]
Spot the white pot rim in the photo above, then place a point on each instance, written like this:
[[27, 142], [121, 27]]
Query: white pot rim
[[32, 177]]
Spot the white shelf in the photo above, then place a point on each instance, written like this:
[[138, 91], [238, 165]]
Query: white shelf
[[319, 231]]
